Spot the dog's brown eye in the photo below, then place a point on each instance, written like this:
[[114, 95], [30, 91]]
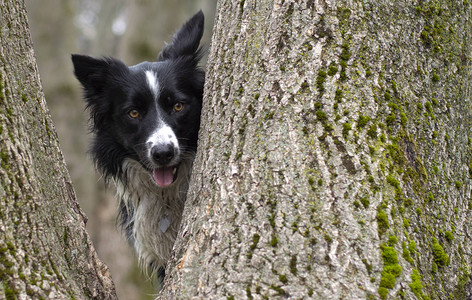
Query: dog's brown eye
[[178, 106], [133, 113]]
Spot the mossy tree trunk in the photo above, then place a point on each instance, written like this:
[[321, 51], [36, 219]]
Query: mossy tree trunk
[[334, 156], [45, 251]]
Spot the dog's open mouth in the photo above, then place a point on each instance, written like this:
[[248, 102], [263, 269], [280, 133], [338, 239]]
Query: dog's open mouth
[[165, 176]]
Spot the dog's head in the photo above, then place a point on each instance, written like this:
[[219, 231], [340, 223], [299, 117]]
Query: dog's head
[[149, 112]]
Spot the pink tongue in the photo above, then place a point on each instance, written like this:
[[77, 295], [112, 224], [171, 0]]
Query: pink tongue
[[163, 176]]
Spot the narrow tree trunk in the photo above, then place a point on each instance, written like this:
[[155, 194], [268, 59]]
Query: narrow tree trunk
[[45, 251], [334, 157]]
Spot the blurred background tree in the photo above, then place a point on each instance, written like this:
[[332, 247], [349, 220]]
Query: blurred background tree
[[134, 31]]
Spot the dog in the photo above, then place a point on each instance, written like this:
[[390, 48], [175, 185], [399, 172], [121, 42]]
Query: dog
[[145, 121]]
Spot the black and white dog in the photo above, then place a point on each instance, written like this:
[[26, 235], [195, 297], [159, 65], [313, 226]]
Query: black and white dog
[[145, 120]]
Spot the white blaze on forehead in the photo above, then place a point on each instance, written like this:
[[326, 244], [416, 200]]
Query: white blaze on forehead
[[163, 135], [152, 82]]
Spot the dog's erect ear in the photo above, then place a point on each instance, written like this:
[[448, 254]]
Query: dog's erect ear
[[93, 73], [87, 68], [185, 42], [96, 75]]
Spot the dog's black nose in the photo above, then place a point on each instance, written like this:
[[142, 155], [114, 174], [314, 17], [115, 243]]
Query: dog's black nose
[[162, 154]]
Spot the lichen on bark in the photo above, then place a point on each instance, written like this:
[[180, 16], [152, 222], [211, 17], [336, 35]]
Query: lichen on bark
[[338, 133], [45, 251]]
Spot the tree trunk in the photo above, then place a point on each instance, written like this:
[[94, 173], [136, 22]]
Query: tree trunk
[[334, 157], [45, 251]]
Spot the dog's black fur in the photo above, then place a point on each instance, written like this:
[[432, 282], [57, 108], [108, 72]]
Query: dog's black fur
[[145, 119]]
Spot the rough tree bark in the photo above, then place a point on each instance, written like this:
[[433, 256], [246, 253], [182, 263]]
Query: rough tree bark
[[45, 251], [334, 156]]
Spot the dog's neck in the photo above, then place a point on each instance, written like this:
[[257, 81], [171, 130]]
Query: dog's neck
[[150, 215]]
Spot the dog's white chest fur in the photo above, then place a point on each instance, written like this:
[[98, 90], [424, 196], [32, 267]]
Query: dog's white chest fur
[[154, 213]]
